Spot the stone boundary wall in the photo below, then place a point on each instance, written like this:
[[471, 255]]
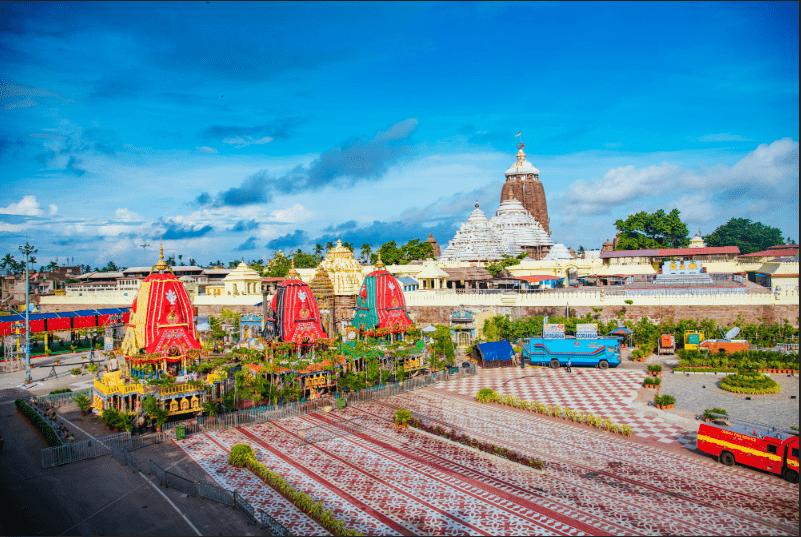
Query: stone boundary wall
[[725, 315]]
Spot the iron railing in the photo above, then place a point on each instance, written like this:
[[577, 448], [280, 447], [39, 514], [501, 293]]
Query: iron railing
[[213, 492], [89, 449], [59, 399]]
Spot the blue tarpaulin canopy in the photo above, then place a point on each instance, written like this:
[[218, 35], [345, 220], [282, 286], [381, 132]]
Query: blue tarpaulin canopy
[[497, 350], [622, 331]]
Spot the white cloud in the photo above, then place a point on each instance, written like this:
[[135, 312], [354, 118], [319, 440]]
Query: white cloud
[[24, 103], [240, 141], [12, 228], [723, 137], [126, 215], [296, 213], [205, 149], [53, 209], [27, 206], [399, 130]]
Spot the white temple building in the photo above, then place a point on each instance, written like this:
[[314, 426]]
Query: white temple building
[[559, 251], [515, 225], [477, 241]]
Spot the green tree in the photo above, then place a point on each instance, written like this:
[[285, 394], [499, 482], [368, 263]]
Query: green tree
[[391, 254], [748, 236], [366, 250], [497, 267], [443, 345], [657, 230], [304, 260], [278, 267]]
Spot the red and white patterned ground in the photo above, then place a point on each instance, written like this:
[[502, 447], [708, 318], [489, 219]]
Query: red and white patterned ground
[[386, 482], [608, 394]]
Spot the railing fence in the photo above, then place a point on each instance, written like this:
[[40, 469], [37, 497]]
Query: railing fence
[[90, 449], [58, 399]]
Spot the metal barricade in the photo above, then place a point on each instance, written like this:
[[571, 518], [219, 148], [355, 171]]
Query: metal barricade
[[158, 471], [242, 505], [273, 526], [213, 492], [58, 399], [180, 483]]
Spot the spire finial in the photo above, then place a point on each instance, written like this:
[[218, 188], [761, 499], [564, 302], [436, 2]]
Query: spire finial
[[292, 272], [379, 264], [161, 265]]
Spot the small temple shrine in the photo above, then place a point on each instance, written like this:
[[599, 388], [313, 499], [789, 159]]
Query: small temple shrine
[[160, 341], [476, 240], [380, 306], [293, 314], [515, 225]]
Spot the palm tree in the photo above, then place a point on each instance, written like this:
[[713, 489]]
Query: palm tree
[[9, 263], [329, 245], [318, 249], [366, 250], [348, 245]]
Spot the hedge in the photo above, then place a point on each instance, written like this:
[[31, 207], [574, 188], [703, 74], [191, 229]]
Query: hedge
[[488, 395], [242, 456], [38, 422], [486, 447], [750, 382]]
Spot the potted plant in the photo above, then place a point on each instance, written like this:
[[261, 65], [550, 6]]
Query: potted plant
[[402, 417], [56, 362], [83, 403], [655, 370], [161, 416], [126, 422], [75, 371]]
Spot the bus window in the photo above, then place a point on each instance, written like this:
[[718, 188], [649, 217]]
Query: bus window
[[771, 449], [794, 452]]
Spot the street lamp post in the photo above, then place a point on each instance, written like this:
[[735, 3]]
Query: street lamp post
[[27, 250]]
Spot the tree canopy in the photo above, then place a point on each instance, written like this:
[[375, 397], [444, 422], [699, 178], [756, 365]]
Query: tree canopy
[[391, 254], [652, 230], [748, 236]]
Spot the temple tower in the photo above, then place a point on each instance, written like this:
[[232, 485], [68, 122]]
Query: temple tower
[[523, 183]]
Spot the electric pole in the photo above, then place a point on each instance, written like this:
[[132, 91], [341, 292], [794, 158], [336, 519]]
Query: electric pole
[[27, 250], [144, 255]]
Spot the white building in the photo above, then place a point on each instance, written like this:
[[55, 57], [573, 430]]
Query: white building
[[476, 241]]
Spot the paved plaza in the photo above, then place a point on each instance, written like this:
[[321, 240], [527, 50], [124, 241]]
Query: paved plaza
[[389, 482]]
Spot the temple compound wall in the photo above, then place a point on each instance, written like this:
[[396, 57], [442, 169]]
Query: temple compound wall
[[725, 315]]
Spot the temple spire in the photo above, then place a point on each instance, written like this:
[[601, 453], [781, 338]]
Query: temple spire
[[379, 264]]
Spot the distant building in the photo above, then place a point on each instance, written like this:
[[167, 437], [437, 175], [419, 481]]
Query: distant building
[[476, 240], [434, 246]]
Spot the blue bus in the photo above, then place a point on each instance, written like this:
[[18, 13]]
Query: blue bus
[[585, 348]]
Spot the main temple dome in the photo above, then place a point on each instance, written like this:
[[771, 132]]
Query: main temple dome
[[343, 270], [517, 227], [476, 241]]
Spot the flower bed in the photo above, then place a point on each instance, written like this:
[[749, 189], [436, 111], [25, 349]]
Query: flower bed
[[242, 456], [38, 423], [749, 382], [486, 447], [750, 360], [490, 396]]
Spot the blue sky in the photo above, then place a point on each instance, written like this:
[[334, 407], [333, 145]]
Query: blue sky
[[233, 129]]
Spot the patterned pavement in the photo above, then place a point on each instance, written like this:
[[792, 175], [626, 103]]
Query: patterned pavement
[[608, 394], [382, 481]]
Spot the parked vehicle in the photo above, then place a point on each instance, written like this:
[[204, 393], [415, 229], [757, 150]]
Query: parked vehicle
[[760, 446], [554, 348], [667, 344]]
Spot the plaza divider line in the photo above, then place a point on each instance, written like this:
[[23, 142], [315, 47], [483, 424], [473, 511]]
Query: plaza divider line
[[386, 520], [557, 517], [365, 472]]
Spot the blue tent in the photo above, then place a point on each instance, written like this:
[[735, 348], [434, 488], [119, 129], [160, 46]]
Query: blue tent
[[495, 354]]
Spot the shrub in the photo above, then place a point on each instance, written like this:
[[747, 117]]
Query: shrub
[[709, 413], [92, 368], [402, 417], [39, 423], [654, 368], [657, 381], [61, 390], [649, 381], [636, 353], [240, 454], [75, 371], [83, 402], [486, 395]]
